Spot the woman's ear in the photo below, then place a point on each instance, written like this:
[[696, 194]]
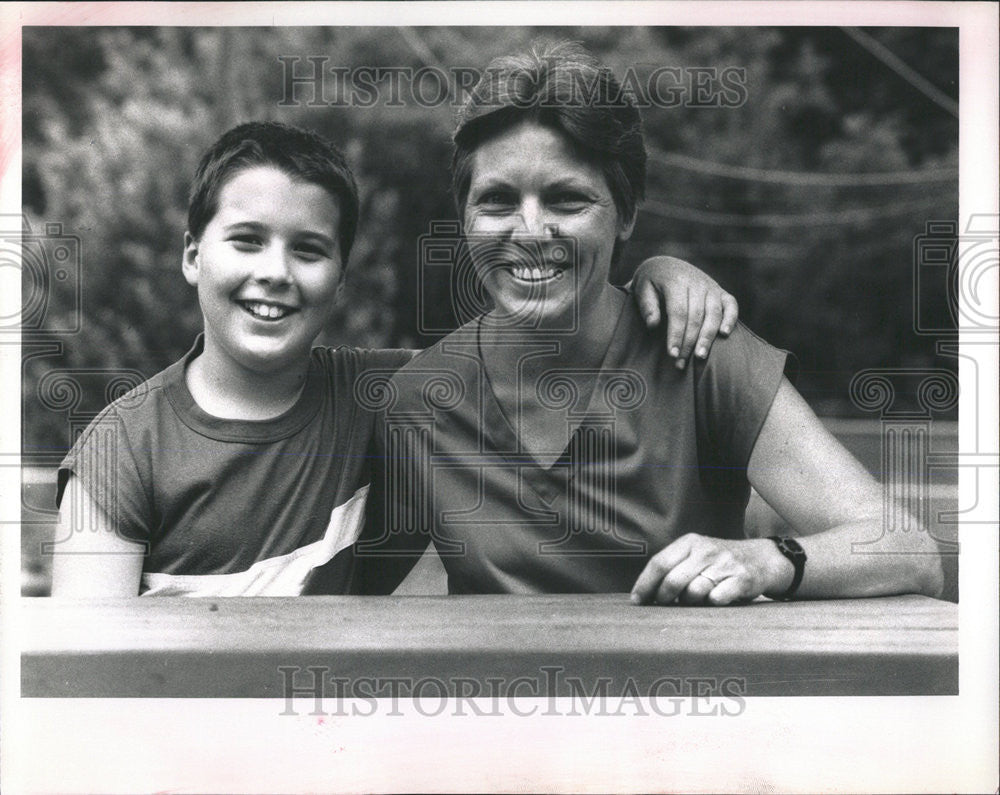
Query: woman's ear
[[190, 261], [625, 231]]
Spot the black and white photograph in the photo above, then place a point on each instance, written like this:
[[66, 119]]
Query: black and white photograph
[[500, 397]]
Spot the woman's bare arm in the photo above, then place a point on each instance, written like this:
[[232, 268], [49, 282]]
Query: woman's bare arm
[[807, 476]]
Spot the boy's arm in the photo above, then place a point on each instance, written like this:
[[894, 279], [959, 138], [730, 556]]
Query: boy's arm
[[91, 558], [383, 556], [697, 308]]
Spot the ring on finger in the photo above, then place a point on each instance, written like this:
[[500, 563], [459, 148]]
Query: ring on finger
[[714, 583]]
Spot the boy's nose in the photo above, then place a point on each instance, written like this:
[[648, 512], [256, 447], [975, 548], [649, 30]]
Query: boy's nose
[[271, 265]]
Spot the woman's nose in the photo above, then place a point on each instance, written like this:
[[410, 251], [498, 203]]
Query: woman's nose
[[530, 221]]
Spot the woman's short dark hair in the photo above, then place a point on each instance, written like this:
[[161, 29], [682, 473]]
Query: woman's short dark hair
[[564, 87], [301, 154]]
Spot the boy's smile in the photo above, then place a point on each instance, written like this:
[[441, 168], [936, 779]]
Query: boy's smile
[[263, 310], [267, 268]]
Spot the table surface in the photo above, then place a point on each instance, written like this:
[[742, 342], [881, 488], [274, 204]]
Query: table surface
[[263, 647]]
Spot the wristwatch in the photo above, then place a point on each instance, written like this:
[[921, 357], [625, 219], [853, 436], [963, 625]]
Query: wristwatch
[[792, 550]]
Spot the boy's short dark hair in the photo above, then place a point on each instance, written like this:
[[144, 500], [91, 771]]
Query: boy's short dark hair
[[299, 153]]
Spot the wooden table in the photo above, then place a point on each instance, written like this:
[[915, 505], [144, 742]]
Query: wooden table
[[524, 645]]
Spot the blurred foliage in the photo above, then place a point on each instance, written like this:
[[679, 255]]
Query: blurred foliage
[[114, 121]]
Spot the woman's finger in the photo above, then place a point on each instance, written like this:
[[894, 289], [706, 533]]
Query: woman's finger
[[657, 568], [709, 327], [698, 589], [678, 579], [729, 591], [730, 314]]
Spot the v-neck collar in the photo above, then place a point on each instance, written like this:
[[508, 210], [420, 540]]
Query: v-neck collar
[[500, 431]]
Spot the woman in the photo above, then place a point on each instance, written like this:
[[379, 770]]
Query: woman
[[630, 474]]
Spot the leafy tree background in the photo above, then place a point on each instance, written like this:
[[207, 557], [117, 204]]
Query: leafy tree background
[[776, 198]]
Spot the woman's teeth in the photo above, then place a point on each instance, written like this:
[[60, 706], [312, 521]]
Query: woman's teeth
[[534, 274], [268, 311]]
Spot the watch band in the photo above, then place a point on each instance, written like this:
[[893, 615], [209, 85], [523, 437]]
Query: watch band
[[792, 550]]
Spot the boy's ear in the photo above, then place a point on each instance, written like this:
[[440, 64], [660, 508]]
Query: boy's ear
[[189, 261], [625, 232]]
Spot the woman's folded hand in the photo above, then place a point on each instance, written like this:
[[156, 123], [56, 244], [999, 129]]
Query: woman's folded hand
[[698, 569]]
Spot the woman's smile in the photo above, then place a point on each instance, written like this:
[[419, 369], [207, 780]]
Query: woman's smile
[[535, 261], [543, 222], [525, 273]]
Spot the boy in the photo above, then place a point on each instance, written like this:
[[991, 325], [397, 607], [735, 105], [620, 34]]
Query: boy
[[241, 469]]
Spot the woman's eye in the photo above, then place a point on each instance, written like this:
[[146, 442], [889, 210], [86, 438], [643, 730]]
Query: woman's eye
[[568, 200], [495, 199]]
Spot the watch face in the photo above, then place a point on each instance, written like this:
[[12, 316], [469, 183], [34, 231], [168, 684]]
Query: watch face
[[791, 548], [794, 552]]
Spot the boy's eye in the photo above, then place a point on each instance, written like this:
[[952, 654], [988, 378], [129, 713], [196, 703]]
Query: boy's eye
[[312, 251], [246, 241]]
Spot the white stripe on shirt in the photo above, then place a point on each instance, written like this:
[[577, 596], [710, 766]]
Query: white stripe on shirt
[[285, 575]]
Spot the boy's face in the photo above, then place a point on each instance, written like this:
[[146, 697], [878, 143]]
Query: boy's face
[[267, 268]]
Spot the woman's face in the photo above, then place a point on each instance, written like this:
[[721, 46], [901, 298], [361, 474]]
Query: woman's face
[[541, 224]]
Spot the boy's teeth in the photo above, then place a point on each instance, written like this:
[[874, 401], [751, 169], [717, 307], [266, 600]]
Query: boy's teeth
[[266, 310]]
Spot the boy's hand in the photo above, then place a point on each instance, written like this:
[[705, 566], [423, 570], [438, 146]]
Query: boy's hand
[[697, 308]]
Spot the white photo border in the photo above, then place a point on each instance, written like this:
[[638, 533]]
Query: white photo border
[[803, 744]]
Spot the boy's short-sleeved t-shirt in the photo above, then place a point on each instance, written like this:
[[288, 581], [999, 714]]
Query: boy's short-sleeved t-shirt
[[232, 507], [651, 453]]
